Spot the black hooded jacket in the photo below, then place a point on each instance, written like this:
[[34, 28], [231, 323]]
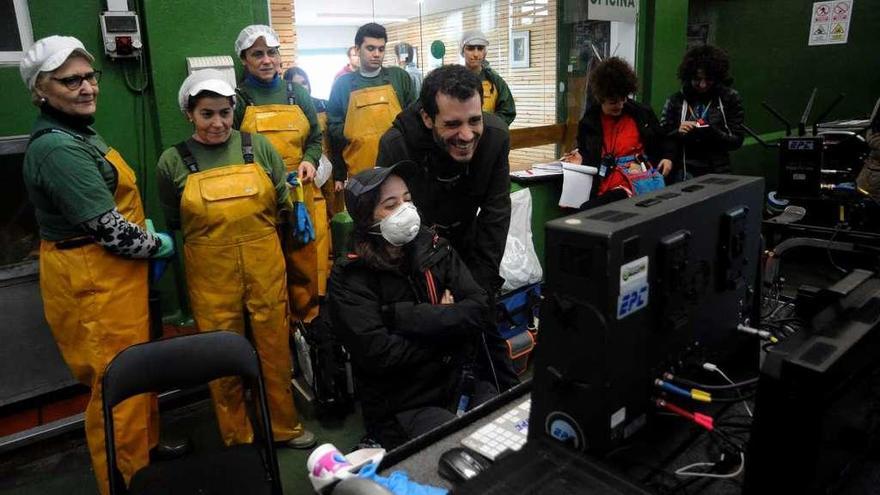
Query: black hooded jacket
[[706, 150], [407, 353], [448, 194]]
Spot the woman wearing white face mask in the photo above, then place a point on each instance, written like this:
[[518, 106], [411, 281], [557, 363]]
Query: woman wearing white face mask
[[408, 310]]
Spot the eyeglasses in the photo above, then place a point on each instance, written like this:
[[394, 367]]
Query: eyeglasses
[[259, 54], [74, 82]]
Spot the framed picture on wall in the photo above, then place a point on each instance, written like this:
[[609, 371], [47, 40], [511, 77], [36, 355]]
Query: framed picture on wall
[[519, 49]]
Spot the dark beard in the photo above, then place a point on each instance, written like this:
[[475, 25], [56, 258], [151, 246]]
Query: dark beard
[[443, 145]]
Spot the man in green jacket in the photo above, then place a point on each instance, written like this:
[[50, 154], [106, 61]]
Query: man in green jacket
[[363, 104], [496, 95]]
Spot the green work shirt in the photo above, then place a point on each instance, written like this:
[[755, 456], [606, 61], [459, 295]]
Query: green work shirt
[[505, 108], [172, 172], [337, 105], [67, 179], [250, 94]]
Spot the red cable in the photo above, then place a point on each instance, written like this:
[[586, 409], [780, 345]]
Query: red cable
[[432, 289], [700, 419]]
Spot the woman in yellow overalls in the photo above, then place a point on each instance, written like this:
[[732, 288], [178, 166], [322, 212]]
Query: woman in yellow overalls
[[283, 112], [226, 191], [94, 243]]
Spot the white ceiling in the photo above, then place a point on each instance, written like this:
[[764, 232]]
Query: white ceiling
[[358, 12]]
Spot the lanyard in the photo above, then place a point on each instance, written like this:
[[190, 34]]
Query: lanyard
[[703, 114]]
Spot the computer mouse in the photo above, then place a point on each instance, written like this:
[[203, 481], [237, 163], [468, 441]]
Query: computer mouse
[[460, 464]]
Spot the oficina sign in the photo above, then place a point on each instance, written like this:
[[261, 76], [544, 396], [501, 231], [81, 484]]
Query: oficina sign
[[613, 10]]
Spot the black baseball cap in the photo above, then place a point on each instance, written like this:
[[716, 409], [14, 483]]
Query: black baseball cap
[[368, 180]]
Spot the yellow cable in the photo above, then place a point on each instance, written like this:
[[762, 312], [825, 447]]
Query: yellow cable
[[700, 395]]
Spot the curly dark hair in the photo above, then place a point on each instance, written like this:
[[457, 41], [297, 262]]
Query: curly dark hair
[[713, 60], [452, 80], [613, 78]]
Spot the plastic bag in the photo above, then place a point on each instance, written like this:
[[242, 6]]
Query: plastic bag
[[520, 265]]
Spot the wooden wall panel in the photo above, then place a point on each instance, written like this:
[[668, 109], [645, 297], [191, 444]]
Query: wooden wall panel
[[283, 20]]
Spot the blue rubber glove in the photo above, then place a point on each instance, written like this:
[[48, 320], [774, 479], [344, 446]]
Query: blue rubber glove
[[166, 248], [303, 231], [399, 482]]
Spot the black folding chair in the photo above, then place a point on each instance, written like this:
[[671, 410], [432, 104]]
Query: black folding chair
[[184, 362]]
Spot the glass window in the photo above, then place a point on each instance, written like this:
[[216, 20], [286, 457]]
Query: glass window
[[15, 30]]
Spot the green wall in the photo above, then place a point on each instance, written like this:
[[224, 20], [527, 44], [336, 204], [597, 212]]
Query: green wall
[[661, 45], [173, 30], [771, 61]]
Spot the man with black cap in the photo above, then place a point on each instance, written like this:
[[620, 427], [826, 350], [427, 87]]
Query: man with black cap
[[462, 184], [408, 311], [497, 98]]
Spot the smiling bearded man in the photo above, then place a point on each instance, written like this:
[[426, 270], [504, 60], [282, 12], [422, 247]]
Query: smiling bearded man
[[463, 183]]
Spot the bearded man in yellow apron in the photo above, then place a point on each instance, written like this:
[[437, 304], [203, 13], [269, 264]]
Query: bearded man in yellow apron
[[283, 112], [226, 190], [496, 95], [94, 246], [363, 104]]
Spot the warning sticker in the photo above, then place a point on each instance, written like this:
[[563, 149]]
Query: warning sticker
[[829, 22], [821, 12]]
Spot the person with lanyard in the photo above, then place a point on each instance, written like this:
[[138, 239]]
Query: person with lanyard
[[408, 311], [335, 201], [620, 137], [227, 191], [705, 117], [496, 95], [95, 243], [283, 112], [363, 104]]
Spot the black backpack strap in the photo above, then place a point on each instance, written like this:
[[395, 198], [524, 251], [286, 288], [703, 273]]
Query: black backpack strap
[[43, 132], [247, 147], [291, 97], [186, 155], [245, 97]]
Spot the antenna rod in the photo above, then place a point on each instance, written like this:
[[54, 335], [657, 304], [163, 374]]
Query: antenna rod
[[758, 138], [778, 116], [827, 111], [802, 124]]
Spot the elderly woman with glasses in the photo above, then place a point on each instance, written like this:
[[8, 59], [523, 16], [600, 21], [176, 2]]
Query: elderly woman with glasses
[[95, 242]]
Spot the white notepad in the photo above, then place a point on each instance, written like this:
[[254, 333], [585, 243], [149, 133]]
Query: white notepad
[[577, 182]]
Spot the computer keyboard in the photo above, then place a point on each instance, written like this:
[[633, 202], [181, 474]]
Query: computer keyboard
[[506, 432]]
